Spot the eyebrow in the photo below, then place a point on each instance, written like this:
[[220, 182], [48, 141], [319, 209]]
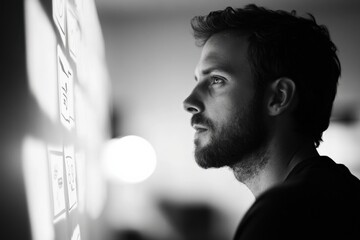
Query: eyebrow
[[218, 67], [211, 69], [206, 72]]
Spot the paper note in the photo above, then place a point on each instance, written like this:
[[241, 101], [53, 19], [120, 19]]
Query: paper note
[[70, 175], [73, 33], [57, 182], [59, 16], [66, 91]]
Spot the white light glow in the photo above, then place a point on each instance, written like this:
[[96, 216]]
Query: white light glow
[[41, 58], [96, 190], [129, 159], [35, 169]]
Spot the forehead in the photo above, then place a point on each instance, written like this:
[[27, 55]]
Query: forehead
[[225, 51]]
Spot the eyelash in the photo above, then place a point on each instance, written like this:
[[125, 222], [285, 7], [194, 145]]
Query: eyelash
[[216, 78]]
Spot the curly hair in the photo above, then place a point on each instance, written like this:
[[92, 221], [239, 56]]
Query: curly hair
[[283, 44]]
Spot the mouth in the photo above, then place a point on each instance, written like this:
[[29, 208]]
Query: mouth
[[199, 128]]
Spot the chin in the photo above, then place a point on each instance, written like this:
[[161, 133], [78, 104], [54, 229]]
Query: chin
[[205, 158], [206, 164]]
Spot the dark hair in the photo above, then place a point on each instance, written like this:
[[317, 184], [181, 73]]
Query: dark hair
[[282, 44]]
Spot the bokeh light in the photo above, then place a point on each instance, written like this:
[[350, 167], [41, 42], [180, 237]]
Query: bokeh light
[[129, 159]]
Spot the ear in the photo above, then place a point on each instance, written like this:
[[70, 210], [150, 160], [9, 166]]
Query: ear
[[281, 96]]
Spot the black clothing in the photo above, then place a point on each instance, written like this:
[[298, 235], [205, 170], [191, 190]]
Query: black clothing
[[318, 200]]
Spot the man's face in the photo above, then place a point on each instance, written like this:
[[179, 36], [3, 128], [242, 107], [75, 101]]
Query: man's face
[[227, 110]]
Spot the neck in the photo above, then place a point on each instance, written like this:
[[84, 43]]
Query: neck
[[272, 165]]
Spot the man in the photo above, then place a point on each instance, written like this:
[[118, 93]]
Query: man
[[265, 84]]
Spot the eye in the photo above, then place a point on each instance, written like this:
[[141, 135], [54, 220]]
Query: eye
[[216, 80]]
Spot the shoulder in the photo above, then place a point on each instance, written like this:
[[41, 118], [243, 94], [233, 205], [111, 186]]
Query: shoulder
[[280, 214], [317, 202], [270, 217]]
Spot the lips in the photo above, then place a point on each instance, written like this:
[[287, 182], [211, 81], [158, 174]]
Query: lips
[[199, 128], [201, 124]]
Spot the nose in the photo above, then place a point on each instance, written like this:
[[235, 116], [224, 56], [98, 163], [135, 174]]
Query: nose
[[193, 103]]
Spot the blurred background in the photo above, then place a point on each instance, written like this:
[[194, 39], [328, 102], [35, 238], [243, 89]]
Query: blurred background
[[95, 143], [151, 57]]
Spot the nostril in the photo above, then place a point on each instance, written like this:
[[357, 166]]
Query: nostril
[[192, 110], [190, 107]]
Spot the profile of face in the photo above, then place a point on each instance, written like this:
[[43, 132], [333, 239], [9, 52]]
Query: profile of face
[[227, 110]]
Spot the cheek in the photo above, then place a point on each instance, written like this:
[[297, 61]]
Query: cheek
[[223, 112], [222, 109]]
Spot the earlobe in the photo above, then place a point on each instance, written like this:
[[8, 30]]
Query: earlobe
[[281, 96]]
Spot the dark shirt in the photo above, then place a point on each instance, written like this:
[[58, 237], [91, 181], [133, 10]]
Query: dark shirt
[[318, 200]]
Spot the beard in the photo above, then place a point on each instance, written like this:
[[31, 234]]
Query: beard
[[239, 144]]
